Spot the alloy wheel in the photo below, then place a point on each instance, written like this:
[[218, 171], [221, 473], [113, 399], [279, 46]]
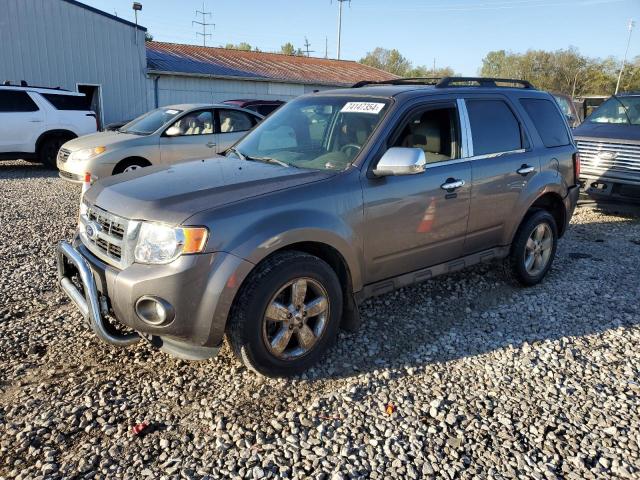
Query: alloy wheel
[[296, 318], [538, 249]]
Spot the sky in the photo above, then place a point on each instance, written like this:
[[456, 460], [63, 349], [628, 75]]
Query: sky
[[455, 33]]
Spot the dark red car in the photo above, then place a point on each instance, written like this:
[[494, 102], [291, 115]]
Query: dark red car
[[263, 107]]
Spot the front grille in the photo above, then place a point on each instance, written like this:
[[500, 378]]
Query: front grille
[[109, 232], [63, 155], [618, 158]]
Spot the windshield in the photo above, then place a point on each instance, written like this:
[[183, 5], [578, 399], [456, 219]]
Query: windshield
[[322, 133], [621, 110], [150, 122]]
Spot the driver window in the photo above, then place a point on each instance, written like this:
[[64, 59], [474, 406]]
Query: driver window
[[434, 131], [195, 123]]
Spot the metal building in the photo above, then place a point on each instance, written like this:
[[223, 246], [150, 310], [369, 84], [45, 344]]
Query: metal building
[[74, 46], [190, 73]]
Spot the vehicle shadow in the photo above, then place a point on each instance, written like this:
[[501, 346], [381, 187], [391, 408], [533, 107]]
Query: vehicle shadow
[[21, 169], [474, 312]]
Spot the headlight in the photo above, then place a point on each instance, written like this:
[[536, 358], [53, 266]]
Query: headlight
[[162, 244], [87, 153]]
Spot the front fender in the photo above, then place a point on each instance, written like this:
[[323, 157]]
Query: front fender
[[281, 230]]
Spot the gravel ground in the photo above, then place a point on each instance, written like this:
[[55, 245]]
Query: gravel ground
[[483, 380]]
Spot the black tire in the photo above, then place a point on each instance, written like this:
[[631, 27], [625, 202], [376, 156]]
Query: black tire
[[246, 326], [515, 266], [48, 150], [130, 162]]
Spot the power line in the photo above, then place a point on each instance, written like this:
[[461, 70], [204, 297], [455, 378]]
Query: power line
[[203, 24]]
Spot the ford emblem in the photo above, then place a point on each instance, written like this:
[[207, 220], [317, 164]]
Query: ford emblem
[[607, 155], [92, 229]]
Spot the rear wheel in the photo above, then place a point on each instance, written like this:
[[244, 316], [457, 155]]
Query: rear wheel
[[130, 164], [287, 314], [48, 150], [533, 249]]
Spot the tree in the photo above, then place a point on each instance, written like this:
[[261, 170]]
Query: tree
[[289, 49], [390, 61], [148, 37], [240, 46]]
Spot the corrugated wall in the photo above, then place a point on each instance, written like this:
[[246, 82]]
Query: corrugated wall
[[174, 89], [56, 43]]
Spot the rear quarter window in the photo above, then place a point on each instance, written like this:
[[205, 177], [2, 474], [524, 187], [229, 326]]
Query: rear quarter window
[[67, 102], [548, 121]]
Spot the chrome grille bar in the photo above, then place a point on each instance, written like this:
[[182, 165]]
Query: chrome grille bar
[[600, 157]]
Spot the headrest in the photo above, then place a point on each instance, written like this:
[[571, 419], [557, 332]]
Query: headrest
[[427, 131]]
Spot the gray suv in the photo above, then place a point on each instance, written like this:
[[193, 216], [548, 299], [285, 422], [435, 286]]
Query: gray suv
[[338, 196]]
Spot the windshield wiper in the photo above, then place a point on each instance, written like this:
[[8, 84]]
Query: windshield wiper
[[274, 161], [237, 152]]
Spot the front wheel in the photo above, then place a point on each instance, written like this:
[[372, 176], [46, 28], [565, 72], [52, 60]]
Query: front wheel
[[287, 314], [533, 249], [48, 151]]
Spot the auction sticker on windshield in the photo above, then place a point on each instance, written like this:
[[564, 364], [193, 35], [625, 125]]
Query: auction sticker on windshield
[[362, 107]]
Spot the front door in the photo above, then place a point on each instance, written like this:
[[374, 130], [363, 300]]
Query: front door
[[191, 137], [503, 163], [413, 222]]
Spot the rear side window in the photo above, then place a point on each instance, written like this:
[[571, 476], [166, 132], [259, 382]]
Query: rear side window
[[494, 127], [235, 121], [548, 121], [68, 102], [16, 101]]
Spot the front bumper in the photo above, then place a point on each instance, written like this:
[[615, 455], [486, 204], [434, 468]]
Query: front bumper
[[200, 288], [74, 170], [610, 186]]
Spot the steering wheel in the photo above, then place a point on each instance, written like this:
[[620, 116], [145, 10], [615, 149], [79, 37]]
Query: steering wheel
[[346, 147]]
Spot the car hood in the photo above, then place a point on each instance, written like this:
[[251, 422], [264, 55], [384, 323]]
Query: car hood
[[608, 131], [100, 139], [173, 194]]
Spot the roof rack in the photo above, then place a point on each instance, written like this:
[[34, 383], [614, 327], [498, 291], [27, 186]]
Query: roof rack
[[490, 82], [449, 82], [24, 84]]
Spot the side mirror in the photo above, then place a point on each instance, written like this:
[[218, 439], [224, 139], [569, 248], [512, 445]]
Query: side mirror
[[172, 131], [401, 161]]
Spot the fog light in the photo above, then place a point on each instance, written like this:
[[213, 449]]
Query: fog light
[[154, 311]]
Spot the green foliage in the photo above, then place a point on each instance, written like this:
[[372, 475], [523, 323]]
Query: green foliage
[[289, 49], [148, 37], [240, 46], [564, 70], [393, 61]]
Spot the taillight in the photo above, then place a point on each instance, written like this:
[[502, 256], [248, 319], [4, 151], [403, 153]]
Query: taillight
[[576, 166]]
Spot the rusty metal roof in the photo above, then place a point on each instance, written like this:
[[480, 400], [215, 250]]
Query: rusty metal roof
[[223, 62]]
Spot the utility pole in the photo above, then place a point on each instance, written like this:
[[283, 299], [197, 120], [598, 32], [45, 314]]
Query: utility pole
[[626, 52], [326, 47], [203, 24], [340, 2], [307, 45]]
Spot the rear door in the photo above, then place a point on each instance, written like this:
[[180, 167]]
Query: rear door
[[502, 163], [191, 137], [231, 126], [21, 121], [412, 222]]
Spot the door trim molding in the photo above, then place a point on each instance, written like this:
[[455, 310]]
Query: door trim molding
[[386, 286]]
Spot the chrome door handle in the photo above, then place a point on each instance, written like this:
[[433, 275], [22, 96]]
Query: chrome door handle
[[211, 144], [452, 184], [525, 170]]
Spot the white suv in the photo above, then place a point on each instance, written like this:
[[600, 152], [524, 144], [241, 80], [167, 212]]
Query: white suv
[[36, 121]]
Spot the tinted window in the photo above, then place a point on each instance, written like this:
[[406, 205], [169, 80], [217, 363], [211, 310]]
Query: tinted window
[[68, 102], [548, 121], [267, 109], [494, 128], [433, 131], [16, 101], [235, 121]]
